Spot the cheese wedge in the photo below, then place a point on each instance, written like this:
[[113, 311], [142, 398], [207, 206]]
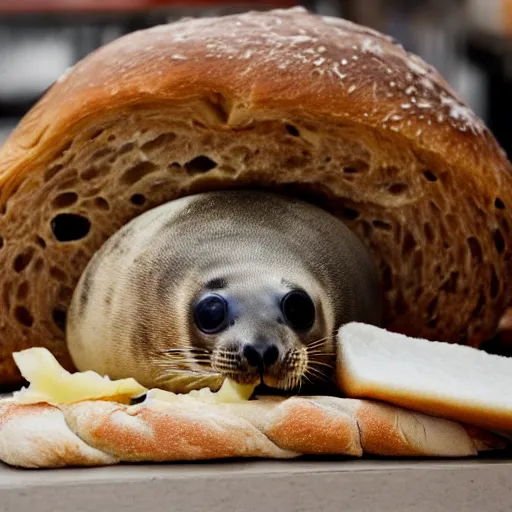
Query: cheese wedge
[[50, 383]]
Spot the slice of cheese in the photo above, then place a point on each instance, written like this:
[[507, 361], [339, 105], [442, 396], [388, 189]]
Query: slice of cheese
[[50, 383], [229, 392]]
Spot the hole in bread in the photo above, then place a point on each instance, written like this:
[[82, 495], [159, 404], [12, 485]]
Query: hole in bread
[[495, 284], [479, 306], [450, 285], [111, 138], [220, 106], [65, 200], [349, 213], [22, 260], [430, 175], [499, 241], [39, 240], [387, 277], [22, 291], [433, 323], [96, 133], [200, 164], [475, 248], [380, 224], [429, 233], [58, 274], [498, 203], [102, 153], [161, 141], [67, 227], [397, 189], [1, 241], [292, 130], [137, 172], [52, 172], [59, 319], [126, 148], [356, 167], [93, 172], [408, 244], [102, 204], [23, 316], [138, 199]]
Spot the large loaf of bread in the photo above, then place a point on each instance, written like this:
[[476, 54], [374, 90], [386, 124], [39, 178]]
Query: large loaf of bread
[[282, 100]]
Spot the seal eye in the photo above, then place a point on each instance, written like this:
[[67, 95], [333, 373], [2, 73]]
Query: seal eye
[[298, 310], [210, 314]]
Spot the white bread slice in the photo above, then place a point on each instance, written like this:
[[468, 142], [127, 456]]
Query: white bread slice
[[451, 381]]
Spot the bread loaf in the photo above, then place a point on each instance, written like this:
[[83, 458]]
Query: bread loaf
[[283, 100]]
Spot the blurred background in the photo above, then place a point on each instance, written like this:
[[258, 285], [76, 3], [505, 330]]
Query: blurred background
[[469, 41]]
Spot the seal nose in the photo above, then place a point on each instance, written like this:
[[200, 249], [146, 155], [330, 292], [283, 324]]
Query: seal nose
[[261, 355]]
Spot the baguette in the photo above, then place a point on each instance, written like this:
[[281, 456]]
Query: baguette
[[100, 433]]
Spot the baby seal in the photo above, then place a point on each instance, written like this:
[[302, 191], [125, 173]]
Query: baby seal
[[248, 285]]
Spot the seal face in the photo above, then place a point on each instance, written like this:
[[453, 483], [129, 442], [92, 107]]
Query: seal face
[[245, 284]]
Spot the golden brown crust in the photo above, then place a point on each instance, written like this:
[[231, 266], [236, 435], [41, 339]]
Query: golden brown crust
[[303, 426], [282, 100], [285, 62], [167, 433]]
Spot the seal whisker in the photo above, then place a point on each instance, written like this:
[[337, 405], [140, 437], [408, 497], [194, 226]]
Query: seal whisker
[[183, 348], [321, 352], [183, 353], [319, 342], [184, 361], [305, 376], [317, 374], [177, 368], [188, 358], [320, 363]]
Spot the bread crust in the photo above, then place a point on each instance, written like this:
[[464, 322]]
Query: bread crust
[[105, 433], [257, 64], [415, 173]]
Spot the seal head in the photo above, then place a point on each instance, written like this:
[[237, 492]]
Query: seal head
[[245, 284]]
